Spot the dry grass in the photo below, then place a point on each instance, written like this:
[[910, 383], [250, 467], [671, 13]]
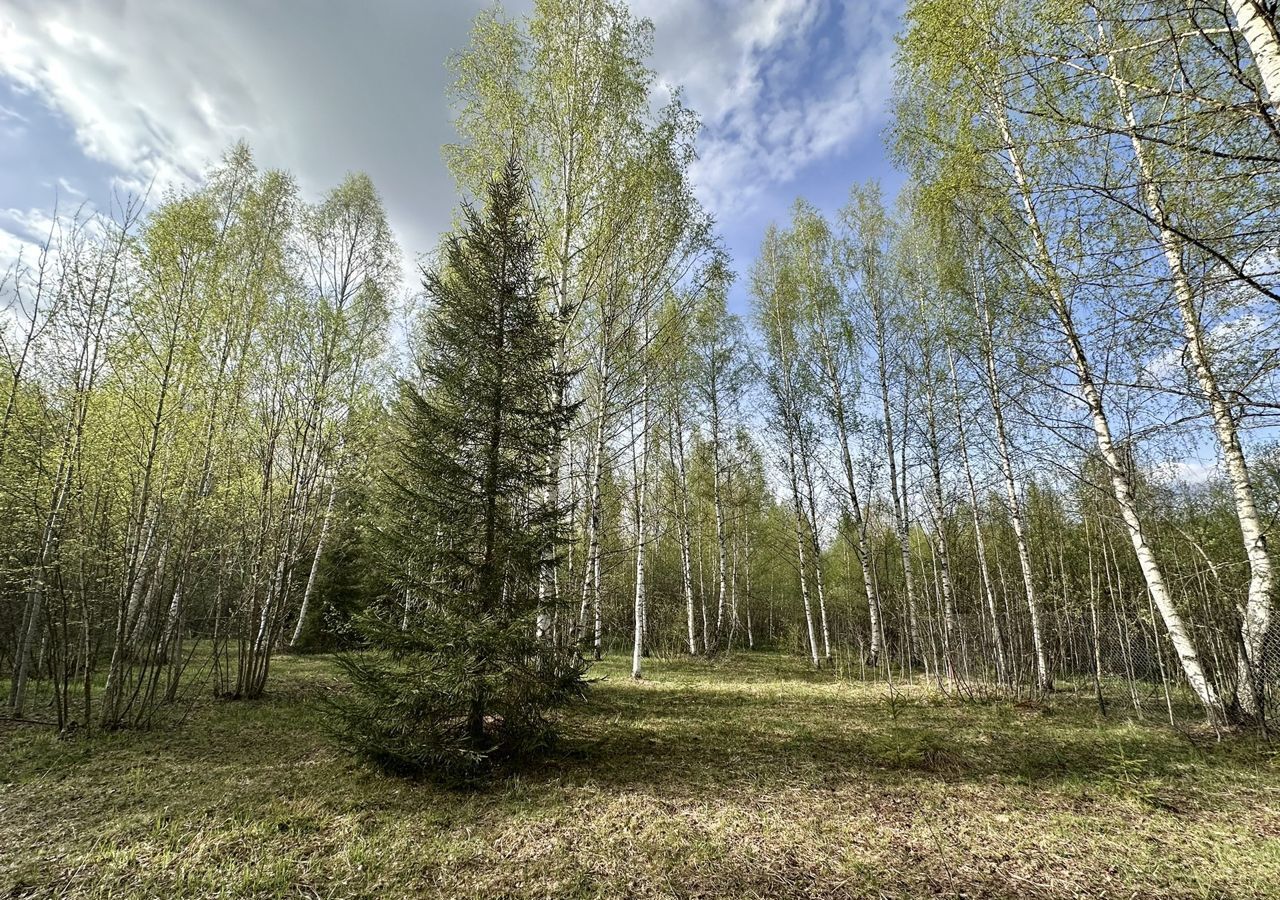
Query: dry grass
[[746, 778]]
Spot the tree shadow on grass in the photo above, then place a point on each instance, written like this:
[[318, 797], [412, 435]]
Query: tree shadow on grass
[[741, 764], [691, 737], [762, 723]]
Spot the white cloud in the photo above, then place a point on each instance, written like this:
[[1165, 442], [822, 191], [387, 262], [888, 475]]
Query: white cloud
[[780, 84], [1192, 471], [22, 233], [33, 224], [12, 248], [154, 92], [69, 190], [111, 70]]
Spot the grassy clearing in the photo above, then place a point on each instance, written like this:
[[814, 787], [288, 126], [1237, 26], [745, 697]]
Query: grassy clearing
[[745, 778]]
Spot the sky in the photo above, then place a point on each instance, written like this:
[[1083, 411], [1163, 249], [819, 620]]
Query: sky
[[101, 98]]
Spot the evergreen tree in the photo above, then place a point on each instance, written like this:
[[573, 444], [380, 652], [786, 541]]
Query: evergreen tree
[[457, 678]]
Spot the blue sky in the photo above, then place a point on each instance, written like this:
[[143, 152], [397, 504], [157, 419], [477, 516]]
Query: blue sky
[[99, 98]]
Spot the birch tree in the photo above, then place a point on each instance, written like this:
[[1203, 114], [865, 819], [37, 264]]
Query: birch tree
[[775, 315]]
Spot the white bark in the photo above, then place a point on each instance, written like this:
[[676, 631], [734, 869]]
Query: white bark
[[815, 544], [789, 417], [839, 417], [36, 583], [321, 540], [942, 554], [1257, 614], [682, 489], [642, 486], [984, 570], [721, 539], [591, 570], [1263, 37], [751, 642], [1044, 680], [901, 520], [733, 597], [800, 557], [1120, 482]]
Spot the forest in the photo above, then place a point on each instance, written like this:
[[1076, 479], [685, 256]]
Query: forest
[[540, 563]]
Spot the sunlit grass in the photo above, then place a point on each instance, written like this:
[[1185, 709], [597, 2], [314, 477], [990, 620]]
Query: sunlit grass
[[750, 777]]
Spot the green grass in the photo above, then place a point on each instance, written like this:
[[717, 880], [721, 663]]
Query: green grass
[[750, 777]]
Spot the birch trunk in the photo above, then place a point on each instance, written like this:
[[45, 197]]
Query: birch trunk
[[36, 584], [751, 643], [1263, 37], [788, 415], [1093, 620], [562, 316], [702, 590], [984, 570], [733, 596], [900, 517], [1044, 681], [839, 416], [815, 545], [315, 563], [642, 479], [721, 540], [1257, 614], [682, 489], [591, 569], [942, 553], [800, 541], [1122, 487]]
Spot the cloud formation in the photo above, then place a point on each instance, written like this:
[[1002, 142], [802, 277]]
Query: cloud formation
[[780, 85], [150, 93], [131, 95]]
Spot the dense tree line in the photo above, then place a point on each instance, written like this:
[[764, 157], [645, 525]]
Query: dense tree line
[[941, 442], [184, 390]]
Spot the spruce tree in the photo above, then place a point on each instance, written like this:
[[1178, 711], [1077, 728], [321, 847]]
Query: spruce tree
[[456, 678]]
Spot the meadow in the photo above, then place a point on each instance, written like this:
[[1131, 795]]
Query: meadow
[[745, 777]]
